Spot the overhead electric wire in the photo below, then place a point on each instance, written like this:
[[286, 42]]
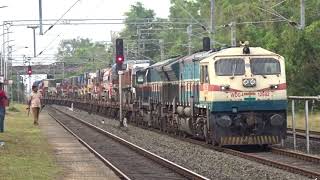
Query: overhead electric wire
[[48, 45], [274, 13], [61, 17], [202, 25], [278, 4]]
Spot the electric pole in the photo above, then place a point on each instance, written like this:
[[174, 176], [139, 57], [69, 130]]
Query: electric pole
[[6, 56], [233, 34], [161, 49], [3, 49], [34, 39], [212, 17], [189, 31], [138, 42], [302, 14], [40, 17], [18, 87], [212, 27], [63, 70]]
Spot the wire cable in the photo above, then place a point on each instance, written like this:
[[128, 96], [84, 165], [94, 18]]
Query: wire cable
[[61, 17], [48, 45]]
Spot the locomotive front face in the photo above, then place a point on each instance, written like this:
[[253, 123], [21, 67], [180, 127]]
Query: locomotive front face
[[246, 94]]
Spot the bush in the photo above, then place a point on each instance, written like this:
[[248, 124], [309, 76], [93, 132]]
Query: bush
[[13, 109]]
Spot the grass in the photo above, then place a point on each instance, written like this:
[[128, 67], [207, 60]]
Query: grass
[[26, 154], [314, 121]]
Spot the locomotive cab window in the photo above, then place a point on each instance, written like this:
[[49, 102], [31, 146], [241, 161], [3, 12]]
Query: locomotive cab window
[[265, 66], [204, 74], [140, 78], [230, 67]]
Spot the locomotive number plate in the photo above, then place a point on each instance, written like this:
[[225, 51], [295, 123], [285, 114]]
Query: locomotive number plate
[[264, 93], [241, 94]]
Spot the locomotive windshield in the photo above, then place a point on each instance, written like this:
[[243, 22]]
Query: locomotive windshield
[[140, 79], [265, 66], [229, 67]]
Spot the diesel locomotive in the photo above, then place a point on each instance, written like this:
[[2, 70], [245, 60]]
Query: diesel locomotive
[[235, 96]]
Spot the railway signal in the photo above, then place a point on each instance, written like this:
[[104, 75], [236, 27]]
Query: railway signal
[[119, 54], [29, 71]]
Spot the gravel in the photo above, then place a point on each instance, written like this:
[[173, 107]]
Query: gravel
[[209, 163], [301, 145]]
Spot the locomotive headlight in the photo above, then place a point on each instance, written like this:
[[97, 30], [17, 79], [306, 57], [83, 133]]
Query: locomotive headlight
[[246, 82], [249, 82], [274, 86], [225, 87], [253, 82]]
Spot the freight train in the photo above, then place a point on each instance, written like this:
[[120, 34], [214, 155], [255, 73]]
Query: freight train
[[235, 96]]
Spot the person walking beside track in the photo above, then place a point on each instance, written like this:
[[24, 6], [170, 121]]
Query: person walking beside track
[[3, 103], [35, 104]]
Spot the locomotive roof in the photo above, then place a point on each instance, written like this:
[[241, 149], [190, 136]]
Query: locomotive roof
[[238, 51], [162, 63], [196, 56]]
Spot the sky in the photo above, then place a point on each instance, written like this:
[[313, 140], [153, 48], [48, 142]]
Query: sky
[[22, 36], [53, 9]]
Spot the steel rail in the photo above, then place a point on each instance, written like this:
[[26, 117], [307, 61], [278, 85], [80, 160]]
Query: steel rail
[[272, 163], [297, 155], [117, 171], [164, 162], [261, 160], [301, 133], [317, 133]]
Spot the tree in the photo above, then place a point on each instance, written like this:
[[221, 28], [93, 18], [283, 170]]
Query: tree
[[136, 23], [84, 55]]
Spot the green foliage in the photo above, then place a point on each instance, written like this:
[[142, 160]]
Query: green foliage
[[134, 21], [84, 55], [26, 153], [301, 48], [13, 109]]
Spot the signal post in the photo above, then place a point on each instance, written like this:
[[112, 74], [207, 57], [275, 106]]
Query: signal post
[[120, 99], [119, 63]]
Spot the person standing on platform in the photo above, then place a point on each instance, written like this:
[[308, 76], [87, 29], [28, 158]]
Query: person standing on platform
[[35, 104], [3, 104]]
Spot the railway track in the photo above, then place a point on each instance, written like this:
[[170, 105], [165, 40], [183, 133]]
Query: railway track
[[293, 162], [279, 158], [126, 159], [301, 133], [287, 160]]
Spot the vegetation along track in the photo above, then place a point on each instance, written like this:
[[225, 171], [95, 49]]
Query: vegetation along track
[[301, 133], [126, 159]]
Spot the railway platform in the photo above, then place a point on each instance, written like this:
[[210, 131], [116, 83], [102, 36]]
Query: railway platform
[[74, 159]]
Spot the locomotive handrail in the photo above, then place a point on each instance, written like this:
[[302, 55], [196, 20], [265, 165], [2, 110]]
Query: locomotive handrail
[[304, 98]]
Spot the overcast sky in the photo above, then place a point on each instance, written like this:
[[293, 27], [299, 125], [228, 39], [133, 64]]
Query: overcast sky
[[54, 9]]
